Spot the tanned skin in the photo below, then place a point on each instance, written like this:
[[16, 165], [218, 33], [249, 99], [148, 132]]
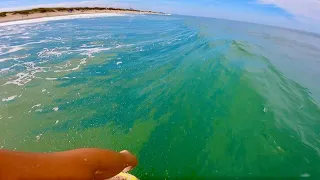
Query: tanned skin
[[79, 164]]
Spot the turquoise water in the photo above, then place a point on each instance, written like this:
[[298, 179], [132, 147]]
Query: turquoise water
[[191, 97]]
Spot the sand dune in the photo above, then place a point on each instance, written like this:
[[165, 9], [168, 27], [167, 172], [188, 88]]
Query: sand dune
[[14, 16]]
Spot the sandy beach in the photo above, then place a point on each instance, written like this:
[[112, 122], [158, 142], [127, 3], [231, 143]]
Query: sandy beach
[[10, 16]]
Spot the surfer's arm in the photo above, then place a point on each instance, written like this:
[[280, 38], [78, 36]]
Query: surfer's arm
[[82, 164]]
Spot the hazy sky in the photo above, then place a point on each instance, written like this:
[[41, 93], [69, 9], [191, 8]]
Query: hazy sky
[[298, 14]]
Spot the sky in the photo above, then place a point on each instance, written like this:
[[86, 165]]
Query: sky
[[296, 14]]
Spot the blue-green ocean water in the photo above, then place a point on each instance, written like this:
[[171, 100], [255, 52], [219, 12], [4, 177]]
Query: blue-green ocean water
[[191, 97]]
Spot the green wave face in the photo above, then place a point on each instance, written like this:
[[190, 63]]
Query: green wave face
[[191, 97]]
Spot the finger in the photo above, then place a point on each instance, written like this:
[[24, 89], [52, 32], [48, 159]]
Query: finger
[[130, 160], [109, 163], [127, 169], [103, 163]]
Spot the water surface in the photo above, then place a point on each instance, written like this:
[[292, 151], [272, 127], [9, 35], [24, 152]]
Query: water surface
[[191, 97]]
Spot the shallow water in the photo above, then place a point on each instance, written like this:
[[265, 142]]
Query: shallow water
[[191, 97]]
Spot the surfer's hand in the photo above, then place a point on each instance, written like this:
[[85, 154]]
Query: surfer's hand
[[106, 164], [82, 164], [103, 164]]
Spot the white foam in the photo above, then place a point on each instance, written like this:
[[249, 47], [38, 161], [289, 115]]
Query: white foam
[[57, 18], [13, 49], [22, 79], [25, 77], [51, 79], [89, 46], [90, 51], [38, 137], [46, 53], [82, 62], [66, 70], [32, 69], [4, 70], [37, 105], [55, 109], [12, 30], [38, 110], [14, 58], [2, 46], [305, 175], [265, 110], [9, 98], [5, 59], [68, 77], [120, 62], [43, 61], [5, 37], [4, 49]]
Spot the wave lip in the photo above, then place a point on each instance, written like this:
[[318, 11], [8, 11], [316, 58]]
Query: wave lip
[[57, 18]]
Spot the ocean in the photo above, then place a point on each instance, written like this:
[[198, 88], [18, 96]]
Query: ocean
[[193, 98]]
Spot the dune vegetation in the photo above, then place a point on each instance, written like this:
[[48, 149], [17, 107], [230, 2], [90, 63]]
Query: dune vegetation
[[3, 14], [61, 9]]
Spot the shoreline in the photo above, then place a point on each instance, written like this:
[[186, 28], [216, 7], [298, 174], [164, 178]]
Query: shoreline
[[14, 16]]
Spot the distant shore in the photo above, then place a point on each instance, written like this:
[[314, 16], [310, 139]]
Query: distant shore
[[52, 12]]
